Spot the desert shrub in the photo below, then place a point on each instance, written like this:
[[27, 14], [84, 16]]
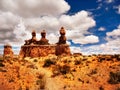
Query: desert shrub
[[61, 70], [114, 78], [65, 69], [118, 57], [94, 71], [101, 88], [1, 64], [48, 62], [35, 60], [41, 81], [77, 62], [100, 59]]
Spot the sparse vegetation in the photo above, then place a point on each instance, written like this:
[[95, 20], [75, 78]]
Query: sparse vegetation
[[58, 69], [114, 78], [48, 62], [99, 72], [77, 62]]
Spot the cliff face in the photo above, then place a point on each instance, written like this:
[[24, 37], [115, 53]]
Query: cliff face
[[43, 50]]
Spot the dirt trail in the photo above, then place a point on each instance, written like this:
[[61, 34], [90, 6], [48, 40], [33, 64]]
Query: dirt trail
[[51, 83]]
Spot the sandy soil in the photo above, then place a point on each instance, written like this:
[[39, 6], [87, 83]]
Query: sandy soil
[[93, 72]]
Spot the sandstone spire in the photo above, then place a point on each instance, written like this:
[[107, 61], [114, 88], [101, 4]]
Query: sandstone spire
[[62, 38], [43, 40]]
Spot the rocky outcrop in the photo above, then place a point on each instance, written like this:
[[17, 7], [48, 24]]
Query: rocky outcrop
[[62, 49], [44, 50], [36, 50], [8, 52]]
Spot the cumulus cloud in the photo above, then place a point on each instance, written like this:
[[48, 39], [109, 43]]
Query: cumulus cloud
[[100, 49], [76, 25], [119, 9], [101, 29], [111, 47], [8, 20], [86, 39], [114, 34], [75, 49], [80, 20], [18, 18], [109, 1], [27, 8], [113, 39]]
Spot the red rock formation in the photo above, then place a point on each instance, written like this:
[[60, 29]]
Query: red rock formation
[[43, 48], [33, 40], [8, 52], [36, 50], [62, 38], [62, 48], [43, 40]]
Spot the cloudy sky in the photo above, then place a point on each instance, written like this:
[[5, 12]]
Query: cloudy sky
[[92, 26]]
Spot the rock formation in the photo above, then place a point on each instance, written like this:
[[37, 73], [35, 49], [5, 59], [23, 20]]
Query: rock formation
[[43, 40], [34, 48], [62, 48], [33, 40], [8, 52], [62, 38]]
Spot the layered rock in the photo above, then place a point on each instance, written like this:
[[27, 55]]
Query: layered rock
[[36, 50], [8, 52]]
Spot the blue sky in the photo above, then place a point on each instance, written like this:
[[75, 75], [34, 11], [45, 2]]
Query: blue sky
[[92, 26], [104, 12]]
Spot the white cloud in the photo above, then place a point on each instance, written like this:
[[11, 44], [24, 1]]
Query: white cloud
[[86, 39], [100, 49], [99, 0], [80, 21], [32, 8], [20, 32], [113, 39], [75, 49], [51, 17], [114, 33], [52, 38], [119, 9], [111, 47], [109, 1], [101, 29], [77, 25], [8, 20]]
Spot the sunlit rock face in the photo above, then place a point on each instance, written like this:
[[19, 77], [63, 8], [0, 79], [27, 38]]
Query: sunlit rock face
[[40, 48], [62, 49], [36, 50], [8, 52]]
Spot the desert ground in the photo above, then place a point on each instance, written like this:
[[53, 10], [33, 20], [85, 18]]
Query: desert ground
[[75, 72]]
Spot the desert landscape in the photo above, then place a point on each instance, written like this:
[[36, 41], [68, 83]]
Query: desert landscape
[[42, 66], [75, 72], [59, 44]]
